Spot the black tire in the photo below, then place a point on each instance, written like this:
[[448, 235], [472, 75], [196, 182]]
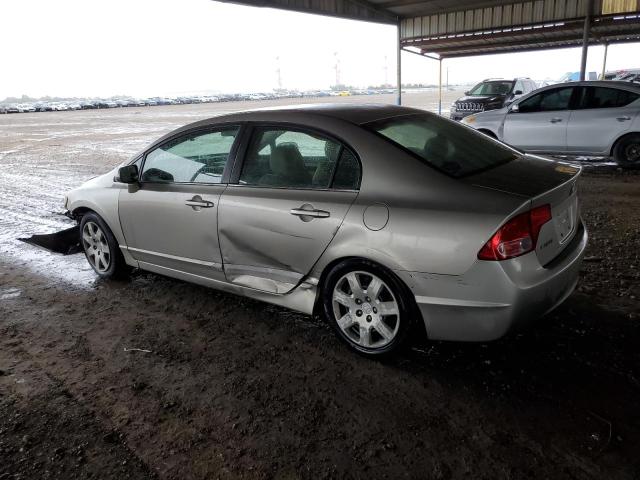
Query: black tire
[[627, 150], [115, 267], [406, 307]]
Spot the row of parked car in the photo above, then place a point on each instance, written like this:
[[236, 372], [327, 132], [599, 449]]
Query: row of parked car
[[590, 118], [496, 93], [153, 101]]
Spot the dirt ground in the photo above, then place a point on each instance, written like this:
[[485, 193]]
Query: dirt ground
[[226, 387]]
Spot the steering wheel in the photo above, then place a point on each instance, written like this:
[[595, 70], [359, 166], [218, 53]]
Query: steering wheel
[[198, 172]]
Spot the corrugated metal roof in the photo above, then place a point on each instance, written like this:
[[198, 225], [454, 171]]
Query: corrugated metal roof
[[477, 27]]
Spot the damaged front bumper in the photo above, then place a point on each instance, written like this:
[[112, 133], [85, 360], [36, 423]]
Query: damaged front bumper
[[66, 242]]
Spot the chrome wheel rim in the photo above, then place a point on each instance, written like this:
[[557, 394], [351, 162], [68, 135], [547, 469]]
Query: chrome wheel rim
[[96, 247], [633, 152], [366, 310]]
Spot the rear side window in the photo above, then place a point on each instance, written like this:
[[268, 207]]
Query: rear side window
[[549, 100], [603, 97], [282, 158], [451, 148]]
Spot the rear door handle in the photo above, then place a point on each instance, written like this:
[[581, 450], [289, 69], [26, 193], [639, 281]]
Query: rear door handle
[[198, 202], [623, 119], [301, 212], [555, 120]]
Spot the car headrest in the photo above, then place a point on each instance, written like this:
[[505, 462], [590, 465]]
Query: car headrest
[[286, 160]]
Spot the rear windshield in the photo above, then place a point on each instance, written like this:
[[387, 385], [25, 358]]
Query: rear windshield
[[447, 146]]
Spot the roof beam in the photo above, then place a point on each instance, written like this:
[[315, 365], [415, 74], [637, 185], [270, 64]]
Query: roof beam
[[363, 10], [432, 7]]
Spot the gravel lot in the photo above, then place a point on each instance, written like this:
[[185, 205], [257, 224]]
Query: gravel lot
[[233, 388]]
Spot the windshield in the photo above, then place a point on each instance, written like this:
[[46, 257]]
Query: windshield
[[449, 147], [491, 88]]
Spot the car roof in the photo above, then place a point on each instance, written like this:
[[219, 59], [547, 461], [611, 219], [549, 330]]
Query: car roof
[[303, 114], [596, 83], [352, 113], [357, 114]]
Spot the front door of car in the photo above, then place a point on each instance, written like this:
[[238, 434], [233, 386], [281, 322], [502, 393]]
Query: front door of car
[[170, 219], [602, 115], [539, 123], [291, 196]]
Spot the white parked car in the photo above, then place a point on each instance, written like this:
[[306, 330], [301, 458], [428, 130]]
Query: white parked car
[[598, 118], [24, 108]]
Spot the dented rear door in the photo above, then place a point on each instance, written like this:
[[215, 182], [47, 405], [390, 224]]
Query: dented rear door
[[270, 238]]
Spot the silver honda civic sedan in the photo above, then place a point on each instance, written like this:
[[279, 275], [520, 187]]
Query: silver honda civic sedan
[[387, 221]]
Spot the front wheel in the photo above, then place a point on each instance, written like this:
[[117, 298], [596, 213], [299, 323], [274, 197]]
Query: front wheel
[[627, 150], [368, 307], [101, 248]]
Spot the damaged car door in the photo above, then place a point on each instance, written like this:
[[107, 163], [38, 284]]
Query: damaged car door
[[290, 196], [170, 217]]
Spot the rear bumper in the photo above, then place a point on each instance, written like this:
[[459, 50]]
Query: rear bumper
[[493, 298]]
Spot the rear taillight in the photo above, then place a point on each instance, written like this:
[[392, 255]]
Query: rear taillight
[[516, 237]]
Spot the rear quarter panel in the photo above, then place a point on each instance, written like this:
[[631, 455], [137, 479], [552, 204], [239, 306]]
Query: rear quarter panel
[[435, 224]]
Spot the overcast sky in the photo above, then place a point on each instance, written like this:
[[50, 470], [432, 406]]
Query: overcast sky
[[165, 47]]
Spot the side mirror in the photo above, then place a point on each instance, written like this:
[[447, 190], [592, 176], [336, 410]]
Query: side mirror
[[128, 174], [467, 92], [514, 108], [518, 92]]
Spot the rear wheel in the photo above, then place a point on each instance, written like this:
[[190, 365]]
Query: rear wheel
[[368, 307], [627, 150], [101, 248]]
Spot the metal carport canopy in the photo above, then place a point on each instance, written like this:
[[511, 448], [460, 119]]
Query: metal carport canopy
[[477, 27]]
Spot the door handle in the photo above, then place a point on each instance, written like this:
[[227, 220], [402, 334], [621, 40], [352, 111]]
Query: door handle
[[301, 212], [555, 120], [201, 204], [198, 202], [623, 119]]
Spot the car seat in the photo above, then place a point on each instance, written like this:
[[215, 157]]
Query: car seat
[[287, 167]]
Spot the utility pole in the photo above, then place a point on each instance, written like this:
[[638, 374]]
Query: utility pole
[[386, 72], [279, 73], [337, 67], [399, 65]]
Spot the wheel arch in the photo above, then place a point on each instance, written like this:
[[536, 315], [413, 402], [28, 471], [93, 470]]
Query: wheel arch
[[81, 209], [488, 132], [410, 297], [619, 139]]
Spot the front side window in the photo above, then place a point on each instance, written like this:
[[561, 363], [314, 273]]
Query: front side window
[[549, 100], [194, 158], [492, 88], [454, 149], [282, 158], [603, 97]]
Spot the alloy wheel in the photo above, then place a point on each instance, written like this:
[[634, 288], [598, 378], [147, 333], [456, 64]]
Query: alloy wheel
[[632, 152], [366, 309], [96, 247]]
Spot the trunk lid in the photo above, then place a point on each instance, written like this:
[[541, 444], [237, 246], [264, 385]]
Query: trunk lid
[[543, 181]]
